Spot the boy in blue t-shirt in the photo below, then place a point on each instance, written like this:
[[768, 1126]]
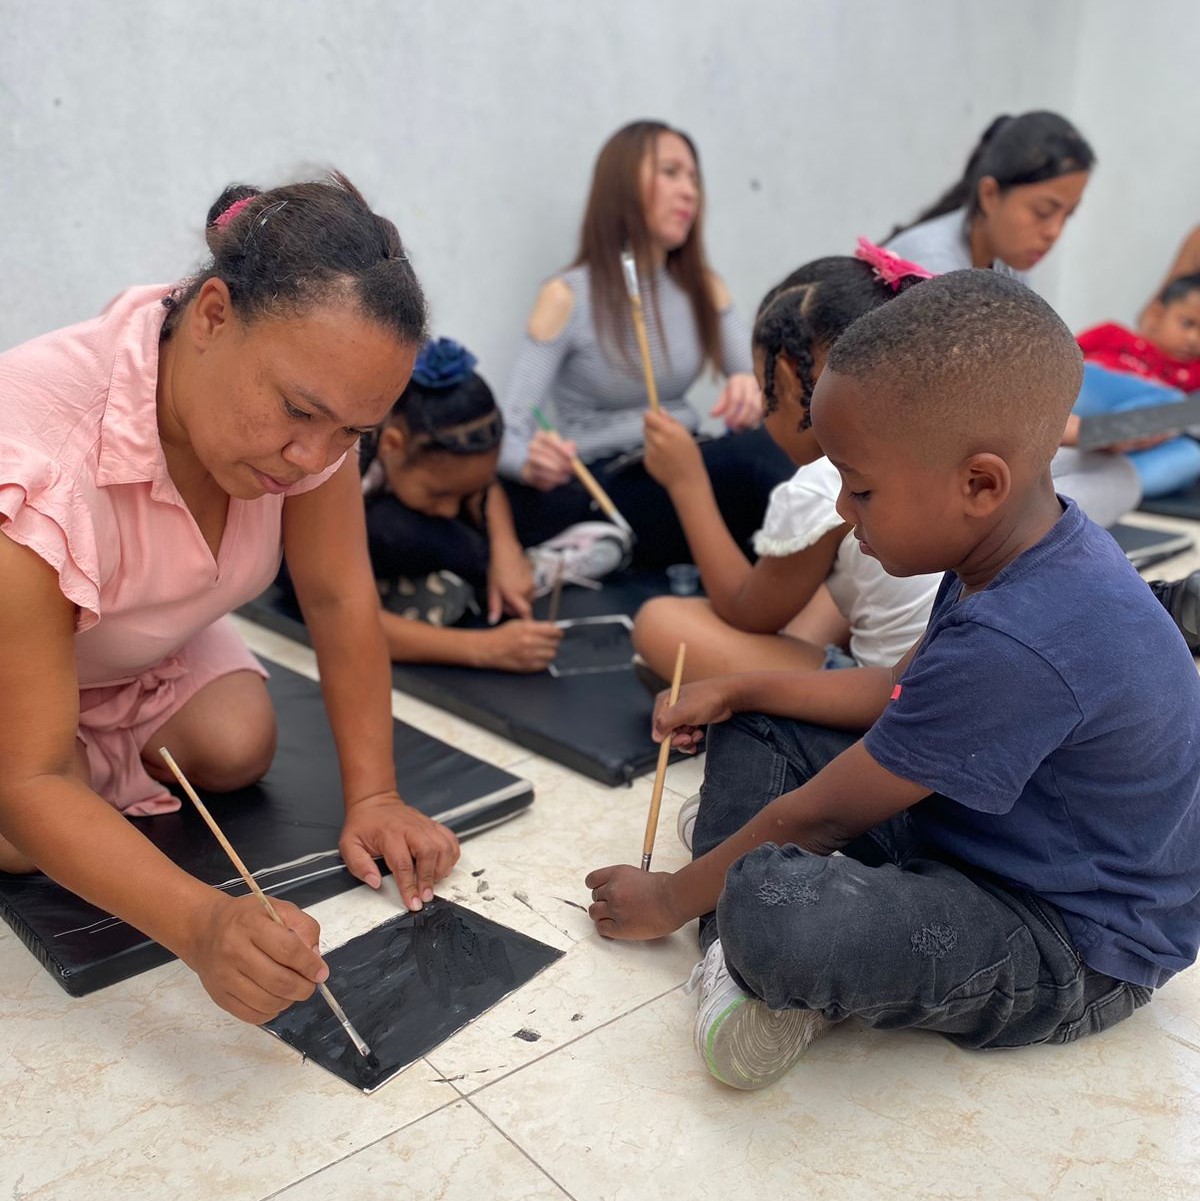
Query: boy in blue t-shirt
[[1020, 826]]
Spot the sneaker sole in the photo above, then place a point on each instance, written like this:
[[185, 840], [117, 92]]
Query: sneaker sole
[[749, 1046]]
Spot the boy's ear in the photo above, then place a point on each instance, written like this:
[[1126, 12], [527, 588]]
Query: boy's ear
[[986, 484], [988, 194]]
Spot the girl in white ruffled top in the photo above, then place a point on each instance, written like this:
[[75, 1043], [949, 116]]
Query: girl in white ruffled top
[[813, 599]]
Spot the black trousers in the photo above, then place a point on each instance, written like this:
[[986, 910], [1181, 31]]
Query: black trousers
[[743, 468]]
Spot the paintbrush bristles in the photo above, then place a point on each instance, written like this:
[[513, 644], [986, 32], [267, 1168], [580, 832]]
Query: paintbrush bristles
[[660, 774], [556, 595], [629, 266]]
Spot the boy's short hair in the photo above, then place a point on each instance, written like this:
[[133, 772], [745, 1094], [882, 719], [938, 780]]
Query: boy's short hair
[[1178, 288], [964, 362]]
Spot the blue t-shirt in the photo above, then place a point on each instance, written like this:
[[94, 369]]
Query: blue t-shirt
[[1056, 716]]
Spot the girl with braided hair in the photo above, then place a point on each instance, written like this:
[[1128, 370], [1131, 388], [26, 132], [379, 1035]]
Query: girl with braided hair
[[811, 588], [155, 463], [439, 528]]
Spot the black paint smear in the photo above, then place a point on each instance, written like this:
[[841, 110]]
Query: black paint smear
[[407, 986], [527, 1035]]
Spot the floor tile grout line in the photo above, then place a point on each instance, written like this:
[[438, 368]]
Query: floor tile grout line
[[467, 1097], [519, 1149], [333, 1163], [571, 1042]]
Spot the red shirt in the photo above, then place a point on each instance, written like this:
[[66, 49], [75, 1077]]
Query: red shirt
[[1120, 349]]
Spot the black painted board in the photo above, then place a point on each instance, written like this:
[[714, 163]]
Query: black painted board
[[1107, 429], [1185, 504], [285, 828], [407, 986], [597, 725], [1144, 547]]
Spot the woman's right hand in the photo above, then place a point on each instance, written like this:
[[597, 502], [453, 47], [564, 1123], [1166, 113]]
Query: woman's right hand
[[548, 463], [525, 646], [249, 964], [700, 704]]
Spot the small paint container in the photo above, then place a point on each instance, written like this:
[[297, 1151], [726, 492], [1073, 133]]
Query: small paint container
[[684, 579]]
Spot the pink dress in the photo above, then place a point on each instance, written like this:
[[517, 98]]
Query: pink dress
[[84, 484]]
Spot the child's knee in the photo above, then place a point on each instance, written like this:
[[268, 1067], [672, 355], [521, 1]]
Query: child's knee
[[790, 921], [656, 628], [769, 914]]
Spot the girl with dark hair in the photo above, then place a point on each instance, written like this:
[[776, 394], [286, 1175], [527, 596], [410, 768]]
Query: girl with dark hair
[[581, 358], [439, 529], [763, 617], [1021, 184], [154, 462]]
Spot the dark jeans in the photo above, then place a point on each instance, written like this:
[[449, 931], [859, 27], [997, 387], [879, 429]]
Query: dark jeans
[[889, 931], [743, 469], [403, 542]]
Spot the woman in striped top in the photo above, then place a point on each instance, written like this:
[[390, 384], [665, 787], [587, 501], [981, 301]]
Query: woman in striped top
[[580, 359]]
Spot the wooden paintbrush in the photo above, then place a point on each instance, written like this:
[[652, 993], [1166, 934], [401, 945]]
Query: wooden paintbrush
[[252, 883], [660, 774], [556, 594], [629, 264], [588, 480]]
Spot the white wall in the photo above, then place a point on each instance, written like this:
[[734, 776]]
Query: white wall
[[1137, 98], [474, 126]]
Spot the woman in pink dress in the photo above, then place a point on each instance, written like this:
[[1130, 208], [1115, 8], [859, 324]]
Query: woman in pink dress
[[154, 464]]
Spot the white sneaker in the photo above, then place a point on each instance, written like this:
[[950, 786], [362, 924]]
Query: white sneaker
[[742, 1042], [581, 554], [685, 822]]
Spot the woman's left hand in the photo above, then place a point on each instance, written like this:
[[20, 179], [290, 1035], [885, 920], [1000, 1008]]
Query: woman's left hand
[[740, 403], [510, 582], [418, 850]]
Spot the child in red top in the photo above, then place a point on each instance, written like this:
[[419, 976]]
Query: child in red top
[[1166, 344], [1156, 363]]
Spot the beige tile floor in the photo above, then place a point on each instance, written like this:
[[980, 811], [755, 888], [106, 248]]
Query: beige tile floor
[[145, 1091]]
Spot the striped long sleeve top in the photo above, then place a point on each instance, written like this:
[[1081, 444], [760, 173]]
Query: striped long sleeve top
[[597, 398]]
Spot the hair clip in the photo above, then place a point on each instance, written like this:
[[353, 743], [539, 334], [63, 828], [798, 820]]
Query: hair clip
[[224, 218], [443, 363], [889, 268]]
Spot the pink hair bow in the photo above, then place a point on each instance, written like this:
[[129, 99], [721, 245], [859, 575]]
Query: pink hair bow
[[889, 268], [233, 210]]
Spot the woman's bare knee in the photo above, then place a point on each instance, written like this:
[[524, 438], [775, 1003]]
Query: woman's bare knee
[[224, 738], [13, 862]]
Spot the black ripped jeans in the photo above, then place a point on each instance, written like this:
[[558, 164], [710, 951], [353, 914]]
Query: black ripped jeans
[[887, 931]]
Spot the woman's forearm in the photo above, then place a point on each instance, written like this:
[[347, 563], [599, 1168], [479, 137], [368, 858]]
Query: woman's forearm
[[83, 843], [723, 568], [356, 682]]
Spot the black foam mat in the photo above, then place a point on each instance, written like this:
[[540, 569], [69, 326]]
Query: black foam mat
[[596, 724], [1185, 504], [1144, 547], [285, 828]]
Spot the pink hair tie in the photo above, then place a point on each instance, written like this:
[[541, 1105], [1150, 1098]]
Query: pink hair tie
[[232, 211], [889, 268]]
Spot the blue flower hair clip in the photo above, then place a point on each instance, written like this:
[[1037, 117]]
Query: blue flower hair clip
[[443, 363]]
